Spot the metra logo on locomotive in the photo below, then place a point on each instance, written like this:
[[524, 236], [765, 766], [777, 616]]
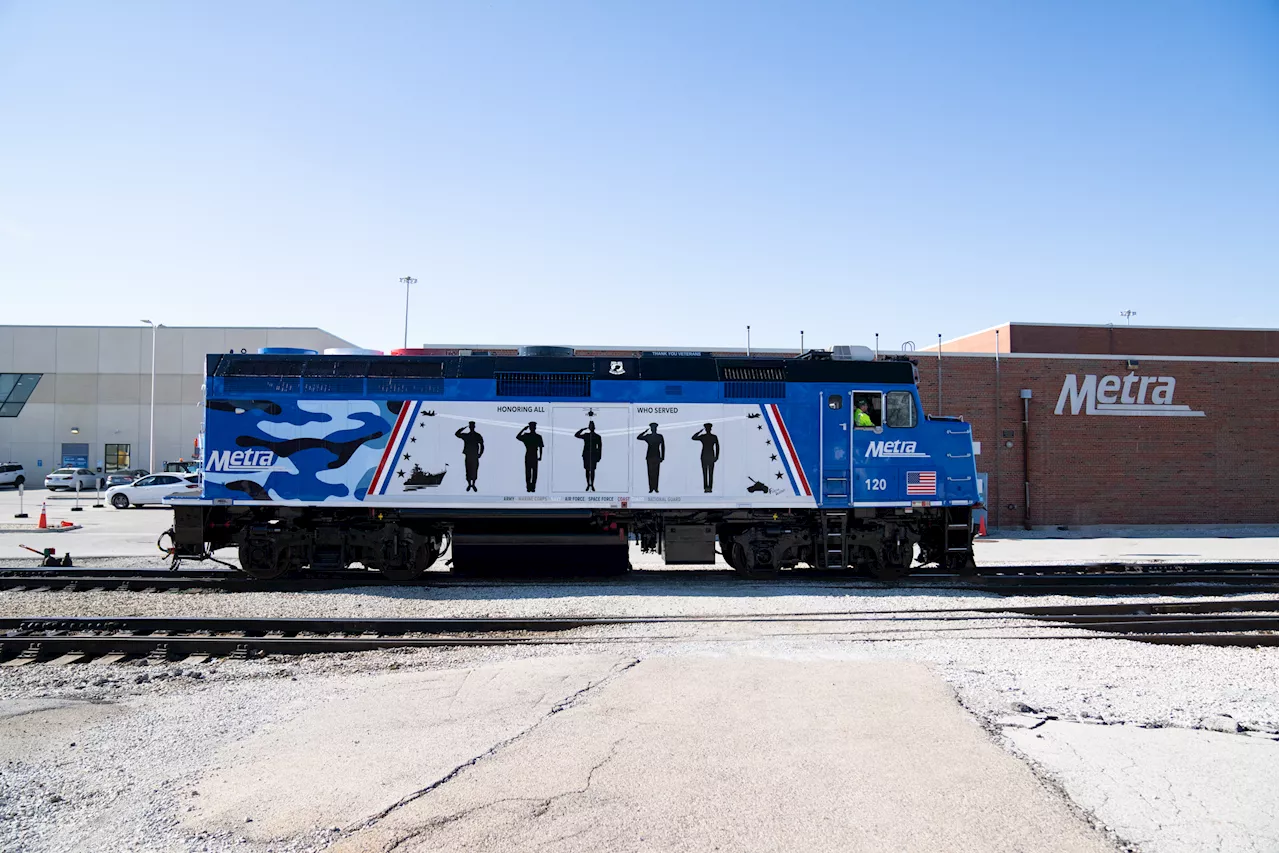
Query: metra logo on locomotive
[[1112, 395], [240, 460], [894, 450]]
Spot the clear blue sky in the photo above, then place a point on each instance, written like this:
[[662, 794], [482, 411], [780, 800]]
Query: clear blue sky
[[638, 173]]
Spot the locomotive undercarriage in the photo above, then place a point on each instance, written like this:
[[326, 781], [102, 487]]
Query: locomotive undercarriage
[[275, 541]]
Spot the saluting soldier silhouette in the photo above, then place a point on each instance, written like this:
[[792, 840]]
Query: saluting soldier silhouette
[[592, 445], [655, 455], [532, 442], [710, 455], [472, 450]]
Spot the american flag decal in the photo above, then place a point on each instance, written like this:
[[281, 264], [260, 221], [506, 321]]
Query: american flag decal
[[922, 483]]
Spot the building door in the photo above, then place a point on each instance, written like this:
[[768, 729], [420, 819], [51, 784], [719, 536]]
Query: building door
[[75, 455], [835, 439], [115, 458]]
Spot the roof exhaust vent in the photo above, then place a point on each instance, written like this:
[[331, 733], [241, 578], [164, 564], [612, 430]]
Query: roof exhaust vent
[[546, 352], [852, 353]]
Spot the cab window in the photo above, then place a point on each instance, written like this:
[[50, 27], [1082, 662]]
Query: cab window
[[868, 408], [900, 409]]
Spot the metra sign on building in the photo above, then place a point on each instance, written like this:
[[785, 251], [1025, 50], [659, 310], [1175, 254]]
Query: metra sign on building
[[1125, 425]]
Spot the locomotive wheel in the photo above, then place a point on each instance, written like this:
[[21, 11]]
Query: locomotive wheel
[[422, 559], [962, 564], [896, 556], [754, 563], [261, 559], [726, 546]]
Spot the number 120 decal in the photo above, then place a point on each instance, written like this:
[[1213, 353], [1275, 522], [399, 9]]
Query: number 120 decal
[[877, 485]]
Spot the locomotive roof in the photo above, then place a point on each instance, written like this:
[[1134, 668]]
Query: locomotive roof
[[671, 368]]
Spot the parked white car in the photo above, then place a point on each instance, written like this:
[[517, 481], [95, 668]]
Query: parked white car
[[66, 478], [153, 489], [12, 474]]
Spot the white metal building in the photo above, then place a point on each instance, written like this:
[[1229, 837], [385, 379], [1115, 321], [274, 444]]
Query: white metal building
[[81, 395]]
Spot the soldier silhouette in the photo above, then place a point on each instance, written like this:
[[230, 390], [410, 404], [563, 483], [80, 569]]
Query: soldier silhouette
[[592, 446], [710, 455], [532, 442], [472, 450], [655, 455]]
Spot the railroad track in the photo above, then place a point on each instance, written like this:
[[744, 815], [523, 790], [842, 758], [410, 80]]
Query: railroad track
[[76, 639], [1081, 579]]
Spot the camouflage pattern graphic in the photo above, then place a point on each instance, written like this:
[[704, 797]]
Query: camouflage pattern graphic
[[294, 450]]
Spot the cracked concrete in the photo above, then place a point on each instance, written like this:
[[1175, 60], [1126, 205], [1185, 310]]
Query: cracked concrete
[[348, 762], [1164, 789], [744, 753]]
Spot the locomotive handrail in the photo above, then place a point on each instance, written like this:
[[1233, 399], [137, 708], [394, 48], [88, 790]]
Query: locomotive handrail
[[959, 455], [959, 479], [959, 432]]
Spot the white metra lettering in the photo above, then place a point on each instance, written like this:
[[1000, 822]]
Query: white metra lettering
[[1125, 396], [1098, 396], [1107, 388]]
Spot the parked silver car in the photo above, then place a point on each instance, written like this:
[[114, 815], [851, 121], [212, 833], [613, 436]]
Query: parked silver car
[[124, 478], [67, 478]]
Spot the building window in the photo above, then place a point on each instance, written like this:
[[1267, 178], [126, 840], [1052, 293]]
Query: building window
[[900, 409], [15, 388], [116, 458]]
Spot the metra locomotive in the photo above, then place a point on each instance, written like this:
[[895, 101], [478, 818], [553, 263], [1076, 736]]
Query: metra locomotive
[[329, 460]]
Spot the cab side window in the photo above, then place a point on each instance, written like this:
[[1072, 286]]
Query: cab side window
[[867, 409], [900, 409]]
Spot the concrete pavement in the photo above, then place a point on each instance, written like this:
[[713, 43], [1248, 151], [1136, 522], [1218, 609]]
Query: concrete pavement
[[599, 753], [1167, 790]]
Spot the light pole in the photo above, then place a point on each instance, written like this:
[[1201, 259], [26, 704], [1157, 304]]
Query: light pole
[[1126, 315], [151, 440], [407, 280]]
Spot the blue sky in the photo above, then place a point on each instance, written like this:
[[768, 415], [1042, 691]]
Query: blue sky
[[658, 173]]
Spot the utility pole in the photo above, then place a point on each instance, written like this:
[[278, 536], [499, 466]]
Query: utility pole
[[151, 440], [407, 280], [748, 342]]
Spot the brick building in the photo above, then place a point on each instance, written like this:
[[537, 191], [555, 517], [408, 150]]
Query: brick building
[[1125, 425], [1195, 445]]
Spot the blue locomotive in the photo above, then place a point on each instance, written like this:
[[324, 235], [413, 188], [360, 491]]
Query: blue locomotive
[[826, 460]]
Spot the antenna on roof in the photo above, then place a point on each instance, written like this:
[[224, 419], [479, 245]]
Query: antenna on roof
[[748, 341]]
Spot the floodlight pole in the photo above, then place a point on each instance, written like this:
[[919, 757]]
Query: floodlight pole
[[407, 280], [151, 440]]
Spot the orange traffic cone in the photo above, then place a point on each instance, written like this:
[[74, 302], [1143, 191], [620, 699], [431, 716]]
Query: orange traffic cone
[[44, 521], [982, 525]]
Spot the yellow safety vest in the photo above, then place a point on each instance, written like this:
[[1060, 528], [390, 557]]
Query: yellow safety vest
[[862, 419]]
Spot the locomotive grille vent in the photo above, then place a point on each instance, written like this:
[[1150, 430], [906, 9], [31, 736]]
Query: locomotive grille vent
[[740, 389], [512, 384], [755, 374]]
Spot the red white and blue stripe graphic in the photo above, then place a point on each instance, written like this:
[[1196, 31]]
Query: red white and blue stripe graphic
[[395, 446], [786, 450]]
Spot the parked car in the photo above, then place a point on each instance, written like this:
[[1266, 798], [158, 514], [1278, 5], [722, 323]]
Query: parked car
[[66, 478], [12, 474], [153, 489], [124, 478]]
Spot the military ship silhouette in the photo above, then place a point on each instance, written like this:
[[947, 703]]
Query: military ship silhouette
[[419, 479]]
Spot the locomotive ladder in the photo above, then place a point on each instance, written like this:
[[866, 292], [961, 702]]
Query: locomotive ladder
[[834, 539], [953, 528]]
